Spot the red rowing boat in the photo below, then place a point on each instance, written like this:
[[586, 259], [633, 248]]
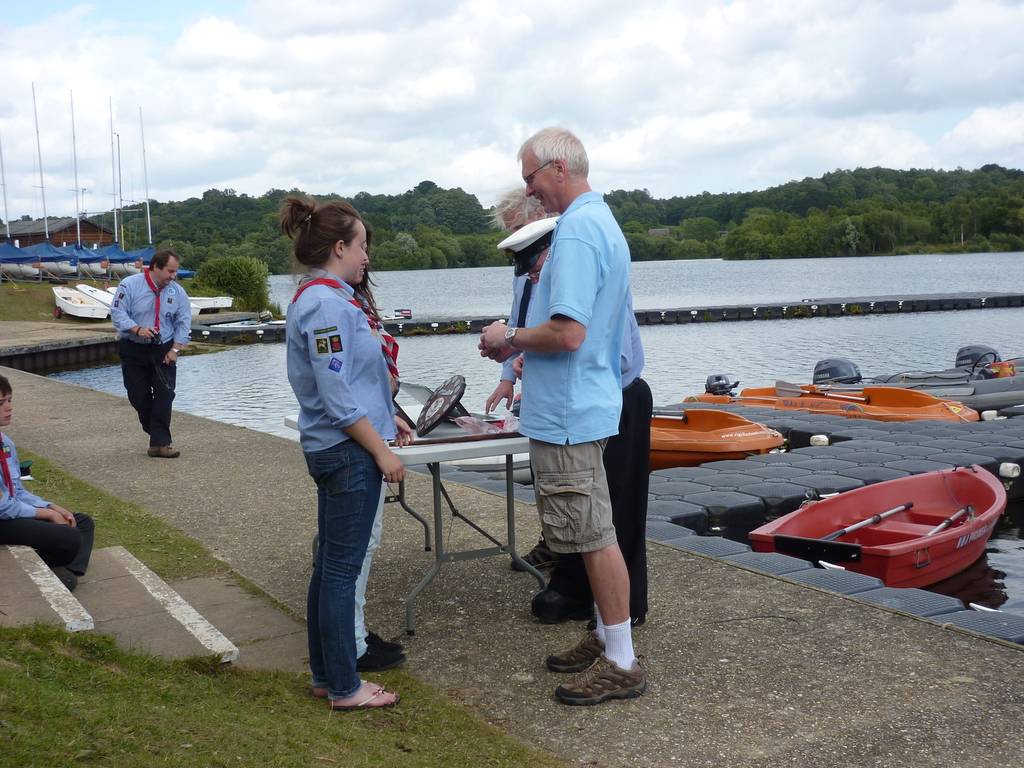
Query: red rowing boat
[[908, 532], [701, 435]]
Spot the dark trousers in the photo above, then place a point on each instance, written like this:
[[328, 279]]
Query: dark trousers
[[627, 464], [150, 385], [56, 544]]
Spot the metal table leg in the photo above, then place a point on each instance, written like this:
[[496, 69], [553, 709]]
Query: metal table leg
[[442, 556], [405, 505]]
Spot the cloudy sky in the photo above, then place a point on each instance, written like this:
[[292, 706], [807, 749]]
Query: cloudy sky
[[378, 95]]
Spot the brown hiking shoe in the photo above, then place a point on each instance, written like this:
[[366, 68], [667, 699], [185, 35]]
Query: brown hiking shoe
[[539, 557], [603, 681], [579, 657], [163, 452]]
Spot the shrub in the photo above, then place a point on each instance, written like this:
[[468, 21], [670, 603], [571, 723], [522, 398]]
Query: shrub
[[243, 277]]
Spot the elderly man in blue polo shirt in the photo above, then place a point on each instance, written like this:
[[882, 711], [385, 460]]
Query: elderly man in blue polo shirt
[[572, 399]]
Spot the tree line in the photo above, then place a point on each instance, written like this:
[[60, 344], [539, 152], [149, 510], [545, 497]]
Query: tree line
[[865, 211]]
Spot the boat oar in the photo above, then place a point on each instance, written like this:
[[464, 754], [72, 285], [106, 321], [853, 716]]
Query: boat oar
[[785, 389], [873, 520], [951, 519]]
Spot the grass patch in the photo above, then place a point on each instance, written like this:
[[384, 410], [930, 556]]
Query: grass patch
[[31, 301], [167, 551], [79, 700]]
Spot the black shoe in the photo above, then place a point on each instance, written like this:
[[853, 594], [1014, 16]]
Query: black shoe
[[379, 644], [552, 607], [375, 661], [636, 621], [67, 578], [539, 557]]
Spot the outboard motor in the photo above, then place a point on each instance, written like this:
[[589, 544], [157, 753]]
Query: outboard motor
[[836, 370], [719, 384], [975, 355]]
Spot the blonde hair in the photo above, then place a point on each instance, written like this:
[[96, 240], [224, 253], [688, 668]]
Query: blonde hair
[[514, 210]]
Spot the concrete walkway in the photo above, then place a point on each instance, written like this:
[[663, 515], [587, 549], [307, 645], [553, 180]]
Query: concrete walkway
[[745, 669]]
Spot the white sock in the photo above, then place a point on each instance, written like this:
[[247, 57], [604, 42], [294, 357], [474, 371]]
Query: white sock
[[618, 644], [599, 629]]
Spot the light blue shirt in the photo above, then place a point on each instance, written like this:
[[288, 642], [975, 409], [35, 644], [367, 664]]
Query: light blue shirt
[[135, 304], [631, 360], [336, 367], [23, 503], [576, 397]]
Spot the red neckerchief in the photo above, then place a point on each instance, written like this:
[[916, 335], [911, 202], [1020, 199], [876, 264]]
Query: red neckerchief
[[318, 281], [4, 469], [388, 344], [152, 286]]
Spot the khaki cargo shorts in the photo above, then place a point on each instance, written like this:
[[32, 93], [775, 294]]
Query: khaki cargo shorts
[[572, 496]]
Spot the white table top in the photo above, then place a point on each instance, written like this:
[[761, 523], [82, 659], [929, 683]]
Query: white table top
[[427, 454]]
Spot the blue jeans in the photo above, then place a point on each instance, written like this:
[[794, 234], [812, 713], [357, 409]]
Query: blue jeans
[[347, 488]]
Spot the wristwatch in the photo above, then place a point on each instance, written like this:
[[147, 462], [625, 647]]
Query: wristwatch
[[510, 335]]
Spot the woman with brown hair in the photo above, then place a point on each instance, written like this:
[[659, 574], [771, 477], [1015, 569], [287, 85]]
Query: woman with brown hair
[[340, 378]]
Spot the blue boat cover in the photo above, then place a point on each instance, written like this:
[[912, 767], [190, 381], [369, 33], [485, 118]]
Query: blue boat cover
[[50, 252], [11, 255], [142, 254], [114, 254]]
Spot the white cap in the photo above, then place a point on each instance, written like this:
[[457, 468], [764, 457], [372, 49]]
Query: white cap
[[526, 244], [528, 235]]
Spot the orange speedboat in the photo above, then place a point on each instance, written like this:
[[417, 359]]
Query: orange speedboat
[[879, 403], [701, 435]]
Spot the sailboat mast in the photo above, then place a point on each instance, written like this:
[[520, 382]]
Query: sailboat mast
[[39, 153], [3, 183], [113, 168], [74, 156], [145, 179], [120, 195]]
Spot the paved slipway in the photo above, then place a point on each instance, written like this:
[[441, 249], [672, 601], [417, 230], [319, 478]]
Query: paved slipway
[[745, 669]]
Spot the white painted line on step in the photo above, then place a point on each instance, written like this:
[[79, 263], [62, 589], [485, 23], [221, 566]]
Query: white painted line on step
[[208, 635], [63, 603]]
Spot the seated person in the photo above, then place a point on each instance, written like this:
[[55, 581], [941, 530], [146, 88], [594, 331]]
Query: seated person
[[62, 539]]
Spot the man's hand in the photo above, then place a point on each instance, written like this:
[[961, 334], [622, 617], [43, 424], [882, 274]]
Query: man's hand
[[145, 333], [171, 357], [68, 516], [517, 366], [51, 515], [493, 345], [503, 391]]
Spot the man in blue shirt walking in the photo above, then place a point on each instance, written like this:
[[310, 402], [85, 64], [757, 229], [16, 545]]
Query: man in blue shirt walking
[[572, 399], [153, 319]]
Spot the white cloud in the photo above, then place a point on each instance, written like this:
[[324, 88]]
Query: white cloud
[[351, 96]]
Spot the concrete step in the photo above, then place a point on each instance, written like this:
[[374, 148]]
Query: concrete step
[[127, 600], [31, 593], [267, 637]]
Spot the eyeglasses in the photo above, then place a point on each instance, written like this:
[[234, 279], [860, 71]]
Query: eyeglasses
[[528, 180]]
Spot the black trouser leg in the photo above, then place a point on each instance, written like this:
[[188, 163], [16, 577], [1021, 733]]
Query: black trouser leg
[[56, 544], [86, 527], [150, 385], [627, 464], [165, 380], [137, 375]]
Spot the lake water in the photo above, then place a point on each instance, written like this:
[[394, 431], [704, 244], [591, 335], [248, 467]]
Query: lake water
[[247, 385]]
